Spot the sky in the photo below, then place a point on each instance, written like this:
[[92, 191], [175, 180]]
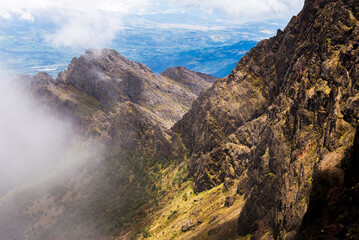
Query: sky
[[93, 23]]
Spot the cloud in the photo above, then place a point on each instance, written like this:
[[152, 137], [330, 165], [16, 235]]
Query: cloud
[[5, 15], [269, 32], [244, 10], [25, 6], [20, 13], [79, 24], [27, 16], [31, 139], [80, 30], [83, 24], [37, 145]]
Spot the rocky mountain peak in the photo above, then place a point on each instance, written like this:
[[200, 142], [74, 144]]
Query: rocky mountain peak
[[109, 77], [109, 58], [101, 72]]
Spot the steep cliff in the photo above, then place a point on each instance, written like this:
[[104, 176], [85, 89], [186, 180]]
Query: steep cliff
[[284, 118], [333, 206]]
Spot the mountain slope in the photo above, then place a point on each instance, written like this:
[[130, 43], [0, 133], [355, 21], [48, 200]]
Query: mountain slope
[[286, 113], [121, 112], [271, 149]]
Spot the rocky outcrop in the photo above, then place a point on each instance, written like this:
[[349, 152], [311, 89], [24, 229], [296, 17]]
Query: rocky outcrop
[[286, 113], [189, 224]]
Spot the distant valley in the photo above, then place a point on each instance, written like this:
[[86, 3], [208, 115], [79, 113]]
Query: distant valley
[[25, 49]]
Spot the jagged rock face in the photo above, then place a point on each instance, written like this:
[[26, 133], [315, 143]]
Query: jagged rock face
[[288, 108], [119, 101], [195, 81], [109, 77], [42, 78], [101, 73], [333, 211]]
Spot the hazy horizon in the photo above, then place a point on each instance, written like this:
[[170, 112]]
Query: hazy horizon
[[42, 35]]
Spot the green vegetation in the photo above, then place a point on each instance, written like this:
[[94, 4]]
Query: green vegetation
[[180, 176], [185, 197], [130, 185], [114, 195], [146, 233], [173, 213]]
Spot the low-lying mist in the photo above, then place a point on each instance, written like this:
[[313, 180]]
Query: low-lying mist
[[31, 140], [42, 164]]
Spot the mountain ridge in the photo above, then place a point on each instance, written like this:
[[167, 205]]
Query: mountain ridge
[[271, 149]]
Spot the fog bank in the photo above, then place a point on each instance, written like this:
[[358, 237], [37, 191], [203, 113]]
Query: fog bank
[[31, 140]]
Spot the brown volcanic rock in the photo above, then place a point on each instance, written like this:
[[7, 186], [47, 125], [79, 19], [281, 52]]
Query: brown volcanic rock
[[333, 211], [289, 107]]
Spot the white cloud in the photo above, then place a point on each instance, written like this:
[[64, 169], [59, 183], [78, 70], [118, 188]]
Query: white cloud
[[93, 23], [36, 144], [80, 23], [84, 30], [8, 13], [267, 32], [16, 6], [5, 15], [27, 16], [244, 10], [31, 140]]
